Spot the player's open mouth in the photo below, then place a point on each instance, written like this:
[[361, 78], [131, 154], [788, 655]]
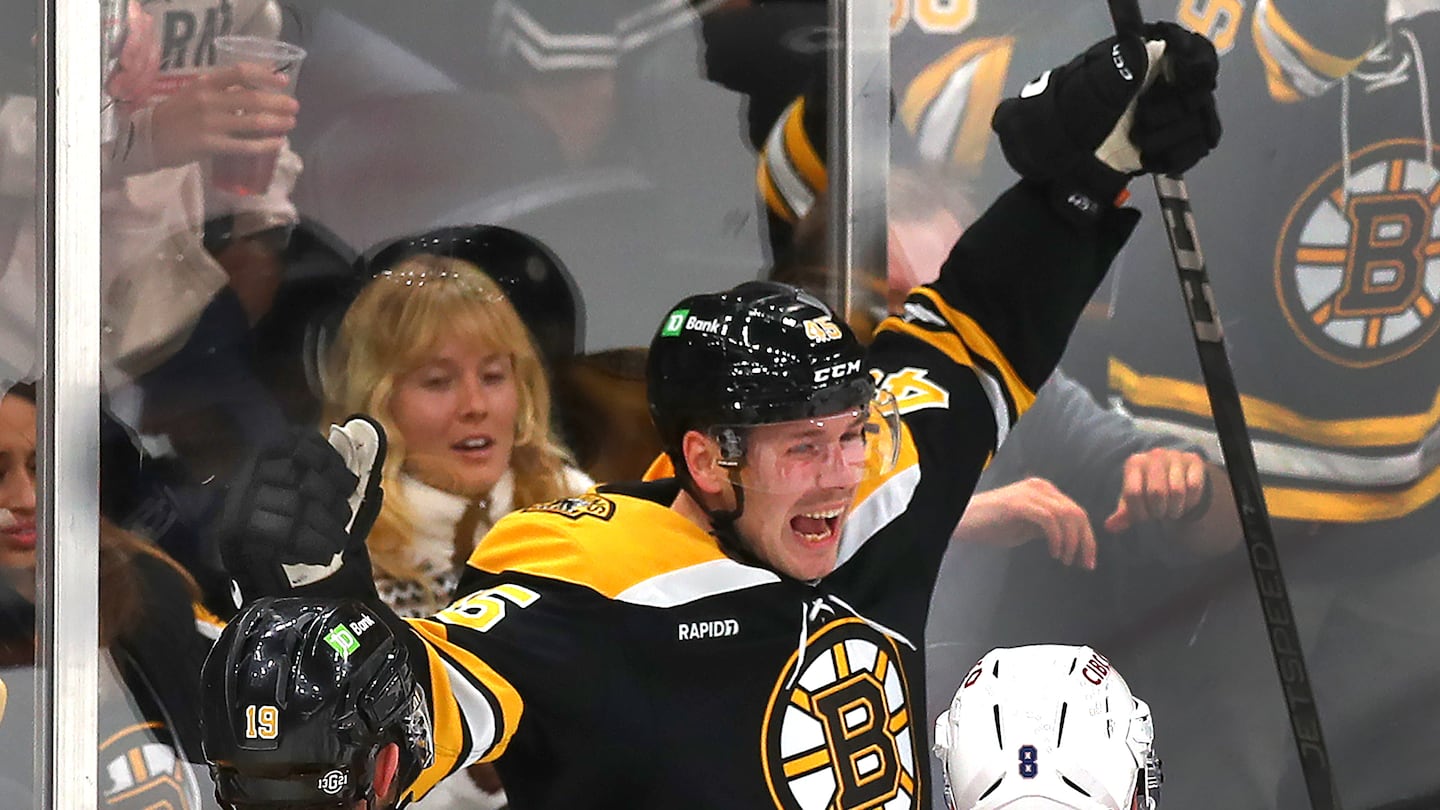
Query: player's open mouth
[[818, 526]]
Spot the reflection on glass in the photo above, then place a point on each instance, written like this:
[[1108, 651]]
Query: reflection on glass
[[1318, 217], [655, 149], [150, 643], [18, 342]]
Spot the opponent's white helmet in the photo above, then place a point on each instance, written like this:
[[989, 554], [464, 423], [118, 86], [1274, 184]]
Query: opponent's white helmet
[[1046, 727]]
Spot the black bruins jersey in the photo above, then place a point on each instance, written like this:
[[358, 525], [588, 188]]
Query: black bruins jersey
[[1318, 215], [609, 654]]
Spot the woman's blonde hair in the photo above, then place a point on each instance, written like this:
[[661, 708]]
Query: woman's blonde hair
[[401, 317]]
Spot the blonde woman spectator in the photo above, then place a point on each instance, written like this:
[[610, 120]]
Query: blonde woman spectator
[[434, 350]]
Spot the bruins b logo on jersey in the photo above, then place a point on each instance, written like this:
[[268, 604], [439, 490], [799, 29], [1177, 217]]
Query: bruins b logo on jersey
[[838, 734], [1357, 270], [589, 505]]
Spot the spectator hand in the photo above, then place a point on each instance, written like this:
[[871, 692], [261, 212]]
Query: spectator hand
[[298, 514], [232, 110], [1071, 128], [1159, 484], [138, 65], [255, 272], [1015, 514]]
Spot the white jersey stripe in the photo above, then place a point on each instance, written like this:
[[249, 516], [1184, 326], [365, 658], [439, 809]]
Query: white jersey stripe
[[475, 710], [1323, 466], [886, 503], [694, 582]]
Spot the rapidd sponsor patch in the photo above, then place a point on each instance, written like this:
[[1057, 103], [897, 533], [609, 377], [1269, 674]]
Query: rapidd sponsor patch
[[590, 505], [715, 628]]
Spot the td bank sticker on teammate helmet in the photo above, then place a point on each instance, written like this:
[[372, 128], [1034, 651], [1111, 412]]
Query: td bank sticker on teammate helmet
[[837, 733], [1357, 269]]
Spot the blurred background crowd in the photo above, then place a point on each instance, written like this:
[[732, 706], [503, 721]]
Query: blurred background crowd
[[466, 218]]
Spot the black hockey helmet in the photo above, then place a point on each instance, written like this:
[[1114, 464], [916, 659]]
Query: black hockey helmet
[[300, 696], [757, 354], [534, 279]]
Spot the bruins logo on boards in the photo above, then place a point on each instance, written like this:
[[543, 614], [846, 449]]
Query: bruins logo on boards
[[840, 736], [591, 505], [1358, 274], [138, 772]]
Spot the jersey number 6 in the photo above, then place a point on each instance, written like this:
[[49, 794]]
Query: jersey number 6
[[483, 610]]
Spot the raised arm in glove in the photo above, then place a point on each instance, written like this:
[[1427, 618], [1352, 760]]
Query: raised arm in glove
[[1120, 109]]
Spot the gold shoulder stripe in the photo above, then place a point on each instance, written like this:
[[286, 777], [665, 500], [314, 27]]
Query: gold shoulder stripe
[[661, 467], [946, 342], [774, 200], [1326, 64], [987, 89], [1181, 396], [607, 557], [802, 153], [437, 636], [446, 724], [927, 85], [1347, 507], [909, 457], [983, 345]]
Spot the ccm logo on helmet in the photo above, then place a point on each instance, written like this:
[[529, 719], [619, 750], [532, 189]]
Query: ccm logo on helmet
[[1096, 669], [836, 371]]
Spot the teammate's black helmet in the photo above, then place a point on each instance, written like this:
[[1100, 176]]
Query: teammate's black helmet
[[757, 354], [300, 695]]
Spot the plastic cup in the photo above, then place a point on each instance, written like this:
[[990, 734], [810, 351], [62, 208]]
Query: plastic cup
[[251, 174]]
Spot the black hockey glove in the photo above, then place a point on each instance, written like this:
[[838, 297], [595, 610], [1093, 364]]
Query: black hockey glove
[[1071, 128], [296, 518], [1176, 123]]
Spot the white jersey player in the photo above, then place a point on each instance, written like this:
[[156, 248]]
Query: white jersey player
[[1046, 727]]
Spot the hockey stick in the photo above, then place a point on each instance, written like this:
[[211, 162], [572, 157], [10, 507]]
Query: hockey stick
[[1239, 459]]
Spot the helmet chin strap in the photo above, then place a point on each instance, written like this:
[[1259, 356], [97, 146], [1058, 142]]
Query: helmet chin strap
[[722, 524], [722, 521]]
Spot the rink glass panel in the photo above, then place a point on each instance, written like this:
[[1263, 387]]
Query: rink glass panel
[[1340, 386], [638, 174]]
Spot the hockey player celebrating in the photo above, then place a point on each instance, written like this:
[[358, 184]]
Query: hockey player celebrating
[[746, 633], [1047, 726], [311, 703]]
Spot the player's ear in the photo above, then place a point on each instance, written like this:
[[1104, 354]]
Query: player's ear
[[387, 763], [702, 455]]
